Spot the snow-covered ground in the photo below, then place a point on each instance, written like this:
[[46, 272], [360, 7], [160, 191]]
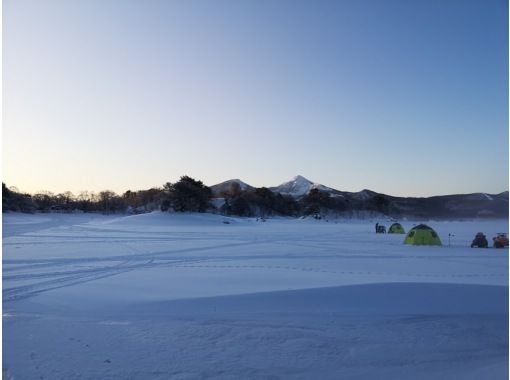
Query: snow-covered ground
[[168, 296]]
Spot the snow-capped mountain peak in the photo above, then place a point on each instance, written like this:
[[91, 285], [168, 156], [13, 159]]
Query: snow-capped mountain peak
[[298, 186], [300, 178]]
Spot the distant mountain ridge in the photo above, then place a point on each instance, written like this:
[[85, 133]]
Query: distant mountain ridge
[[442, 206], [295, 198]]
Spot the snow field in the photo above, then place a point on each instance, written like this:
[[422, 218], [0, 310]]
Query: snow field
[[187, 296]]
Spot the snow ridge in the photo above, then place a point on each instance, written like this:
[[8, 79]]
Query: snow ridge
[[488, 197]]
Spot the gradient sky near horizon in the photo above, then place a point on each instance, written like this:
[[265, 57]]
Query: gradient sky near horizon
[[400, 97]]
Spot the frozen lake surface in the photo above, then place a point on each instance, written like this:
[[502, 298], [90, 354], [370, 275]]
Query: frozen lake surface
[[167, 296]]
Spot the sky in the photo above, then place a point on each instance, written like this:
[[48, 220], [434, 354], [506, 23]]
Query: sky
[[402, 97]]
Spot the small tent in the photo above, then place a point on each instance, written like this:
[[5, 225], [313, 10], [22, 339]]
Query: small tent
[[396, 228], [422, 235]]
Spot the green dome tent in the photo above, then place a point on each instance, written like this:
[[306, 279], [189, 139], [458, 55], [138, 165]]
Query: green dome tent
[[422, 235], [396, 228]]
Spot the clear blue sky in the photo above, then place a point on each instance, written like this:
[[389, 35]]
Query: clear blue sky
[[401, 97]]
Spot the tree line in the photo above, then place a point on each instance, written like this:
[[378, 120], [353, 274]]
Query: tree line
[[104, 202], [186, 195]]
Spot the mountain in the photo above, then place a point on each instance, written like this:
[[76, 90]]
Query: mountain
[[299, 186], [460, 206], [454, 206], [220, 189]]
